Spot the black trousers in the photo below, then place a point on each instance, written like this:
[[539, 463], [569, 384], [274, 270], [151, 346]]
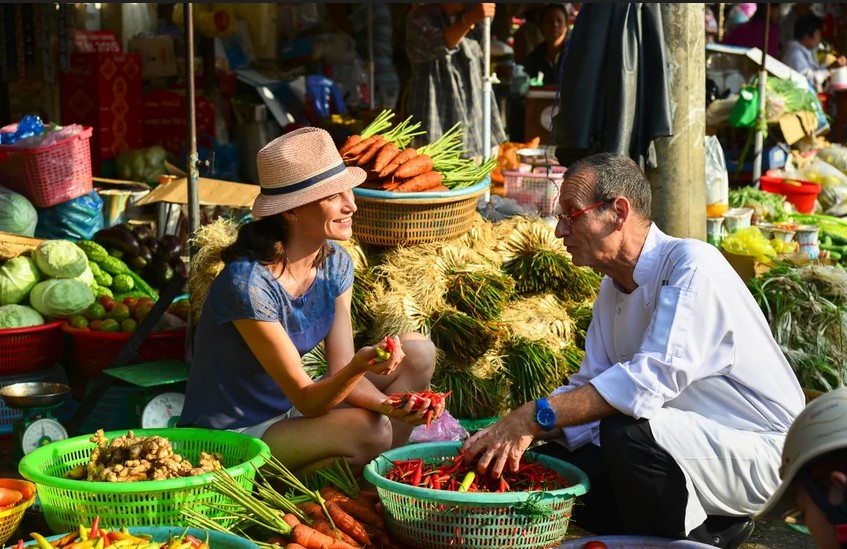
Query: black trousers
[[636, 487]]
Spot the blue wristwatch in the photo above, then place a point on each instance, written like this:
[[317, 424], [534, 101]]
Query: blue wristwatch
[[545, 415]]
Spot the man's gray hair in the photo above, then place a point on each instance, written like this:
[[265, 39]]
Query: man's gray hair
[[617, 175]]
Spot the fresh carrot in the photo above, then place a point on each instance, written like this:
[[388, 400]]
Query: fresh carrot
[[369, 496], [385, 156], [310, 538], [25, 487], [359, 148], [8, 496], [440, 188], [348, 143], [363, 511], [418, 165], [344, 522], [291, 519], [390, 186], [331, 493], [405, 155], [422, 182], [324, 527], [312, 510], [294, 546], [370, 153]]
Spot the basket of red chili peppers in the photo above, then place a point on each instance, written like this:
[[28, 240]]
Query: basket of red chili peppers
[[432, 498]]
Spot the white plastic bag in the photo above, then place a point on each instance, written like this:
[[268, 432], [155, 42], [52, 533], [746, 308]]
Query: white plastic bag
[[833, 196], [717, 178]]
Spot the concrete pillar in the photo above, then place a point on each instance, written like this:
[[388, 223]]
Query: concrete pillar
[[679, 189]]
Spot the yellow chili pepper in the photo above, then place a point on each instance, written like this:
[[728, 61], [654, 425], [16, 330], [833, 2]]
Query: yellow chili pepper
[[41, 541], [83, 533]]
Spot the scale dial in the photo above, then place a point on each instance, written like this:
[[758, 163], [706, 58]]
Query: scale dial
[[162, 411], [42, 432]]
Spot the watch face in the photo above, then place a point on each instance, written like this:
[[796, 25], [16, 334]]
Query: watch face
[[546, 417]]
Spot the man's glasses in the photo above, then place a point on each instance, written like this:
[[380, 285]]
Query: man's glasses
[[567, 219]]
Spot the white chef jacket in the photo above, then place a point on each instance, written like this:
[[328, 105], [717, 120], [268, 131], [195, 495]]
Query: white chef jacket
[[691, 351]]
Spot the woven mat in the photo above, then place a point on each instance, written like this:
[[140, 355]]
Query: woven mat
[[13, 245]]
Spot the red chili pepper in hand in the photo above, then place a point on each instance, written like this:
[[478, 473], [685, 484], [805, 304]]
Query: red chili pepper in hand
[[389, 344]]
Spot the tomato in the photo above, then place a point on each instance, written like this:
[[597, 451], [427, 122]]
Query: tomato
[[594, 545]]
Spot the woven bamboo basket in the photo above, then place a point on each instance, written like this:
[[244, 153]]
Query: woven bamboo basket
[[396, 219]]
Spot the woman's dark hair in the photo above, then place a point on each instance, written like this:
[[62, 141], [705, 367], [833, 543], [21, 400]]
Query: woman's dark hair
[[554, 6], [807, 25], [263, 240]]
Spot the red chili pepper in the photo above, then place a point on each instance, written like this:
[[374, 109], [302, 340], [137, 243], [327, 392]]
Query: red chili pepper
[[389, 344], [20, 544], [194, 541], [416, 476], [95, 527], [106, 541]]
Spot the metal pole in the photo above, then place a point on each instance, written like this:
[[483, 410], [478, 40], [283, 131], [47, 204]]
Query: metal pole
[[761, 119], [371, 97], [486, 94], [191, 123]]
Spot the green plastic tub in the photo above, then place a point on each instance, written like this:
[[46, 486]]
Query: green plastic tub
[[441, 519]]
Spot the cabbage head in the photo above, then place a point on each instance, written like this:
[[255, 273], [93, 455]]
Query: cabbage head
[[19, 316], [17, 214], [17, 277], [60, 259], [61, 297], [87, 276]]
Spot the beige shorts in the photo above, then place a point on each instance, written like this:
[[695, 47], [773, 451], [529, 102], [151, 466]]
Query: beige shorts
[[258, 430]]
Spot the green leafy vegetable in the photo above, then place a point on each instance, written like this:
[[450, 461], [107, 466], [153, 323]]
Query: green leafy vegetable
[[17, 278], [19, 316]]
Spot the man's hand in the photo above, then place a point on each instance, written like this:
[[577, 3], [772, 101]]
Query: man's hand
[[503, 442], [839, 62], [479, 12]]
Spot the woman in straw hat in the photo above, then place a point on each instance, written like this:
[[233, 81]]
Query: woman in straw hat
[[814, 472], [286, 286]]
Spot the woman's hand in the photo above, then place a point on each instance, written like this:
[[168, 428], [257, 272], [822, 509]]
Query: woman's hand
[[369, 357], [406, 414]]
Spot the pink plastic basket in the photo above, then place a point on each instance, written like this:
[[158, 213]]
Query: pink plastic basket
[[536, 190], [50, 174]]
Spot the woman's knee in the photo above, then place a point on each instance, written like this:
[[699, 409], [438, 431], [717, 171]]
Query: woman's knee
[[420, 354], [373, 436]]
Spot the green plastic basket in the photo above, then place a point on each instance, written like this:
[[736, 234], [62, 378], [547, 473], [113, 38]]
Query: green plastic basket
[[436, 519], [68, 503]]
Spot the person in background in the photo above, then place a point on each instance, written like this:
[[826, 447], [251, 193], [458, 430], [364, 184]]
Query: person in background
[[386, 81], [739, 14], [800, 53], [751, 34], [789, 18], [443, 46], [682, 402], [711, 25], [814, 472], [545, 57], [528, 35], [285, 287]]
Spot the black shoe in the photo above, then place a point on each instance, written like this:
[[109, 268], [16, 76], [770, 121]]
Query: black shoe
[[732, 535]]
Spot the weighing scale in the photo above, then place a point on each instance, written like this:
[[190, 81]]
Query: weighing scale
[[160, 405], [37, 426]]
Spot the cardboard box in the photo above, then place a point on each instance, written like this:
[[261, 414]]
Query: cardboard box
[[158, 59], [103, 90], [211, 192], [165, 120], [798, 125]]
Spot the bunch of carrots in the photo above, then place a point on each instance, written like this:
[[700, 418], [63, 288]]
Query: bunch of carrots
[[14, 492], [392, 166], [434, 409]]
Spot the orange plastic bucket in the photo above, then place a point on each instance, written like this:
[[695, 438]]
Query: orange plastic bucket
[[801, 194]]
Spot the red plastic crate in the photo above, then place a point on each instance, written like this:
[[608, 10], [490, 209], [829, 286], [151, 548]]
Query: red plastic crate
[[24, 350], [95, 351], [50, 174]]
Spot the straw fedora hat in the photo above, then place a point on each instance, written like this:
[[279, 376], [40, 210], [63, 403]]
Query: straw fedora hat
[[301, 167]]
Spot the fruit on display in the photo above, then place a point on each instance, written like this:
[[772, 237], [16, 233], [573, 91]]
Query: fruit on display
[[129, 258], [109, 315]]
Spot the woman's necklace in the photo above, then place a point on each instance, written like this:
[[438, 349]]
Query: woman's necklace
[[299, 286]]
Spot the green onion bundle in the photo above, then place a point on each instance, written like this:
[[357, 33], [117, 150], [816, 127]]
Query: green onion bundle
[[533, 368], [472, 396], [479, 292], [460, 335]]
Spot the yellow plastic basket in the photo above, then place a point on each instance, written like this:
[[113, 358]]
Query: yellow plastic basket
[[396, 219], [68, 503], [441, 519]]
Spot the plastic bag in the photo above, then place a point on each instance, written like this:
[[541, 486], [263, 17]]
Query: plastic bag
[[836, 155], [717, 178], [833, 182], [76, 219], [445, 428], [746, 108]]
